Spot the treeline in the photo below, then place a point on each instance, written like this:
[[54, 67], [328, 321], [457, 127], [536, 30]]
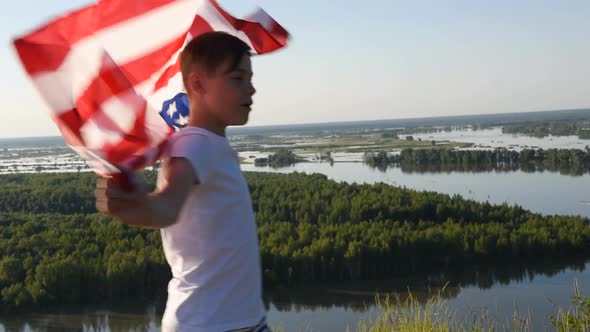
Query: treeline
[[63, 193], [566, 161], [56, 250], [283, 157], [543, 129]]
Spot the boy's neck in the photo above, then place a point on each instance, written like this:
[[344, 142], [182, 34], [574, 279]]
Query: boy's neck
[[214, 129], [198, 119]]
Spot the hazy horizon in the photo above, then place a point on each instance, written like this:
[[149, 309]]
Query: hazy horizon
[[254, 127]]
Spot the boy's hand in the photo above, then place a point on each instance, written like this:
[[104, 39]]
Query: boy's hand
[[114, 199], [138, 207]]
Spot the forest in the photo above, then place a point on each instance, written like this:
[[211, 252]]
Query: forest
[[57, 250]]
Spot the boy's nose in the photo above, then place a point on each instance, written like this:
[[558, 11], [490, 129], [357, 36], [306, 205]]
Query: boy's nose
[[252, 90]]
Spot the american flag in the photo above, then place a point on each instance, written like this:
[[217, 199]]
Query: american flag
[[110, 72]]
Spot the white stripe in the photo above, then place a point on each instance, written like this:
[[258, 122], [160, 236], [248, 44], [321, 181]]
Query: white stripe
[[95, 135], [123, 109], [260, 16], [156, 127], [174, 87]]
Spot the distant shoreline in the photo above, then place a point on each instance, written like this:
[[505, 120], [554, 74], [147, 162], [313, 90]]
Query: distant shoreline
[[497, 119]]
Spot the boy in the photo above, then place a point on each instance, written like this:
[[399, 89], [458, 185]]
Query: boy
[[202, 204]]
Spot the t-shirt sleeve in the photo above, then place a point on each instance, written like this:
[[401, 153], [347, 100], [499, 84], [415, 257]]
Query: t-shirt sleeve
[[194, 148]]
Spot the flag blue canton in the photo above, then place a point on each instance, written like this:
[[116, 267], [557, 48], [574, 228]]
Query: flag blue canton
[[175, 111]]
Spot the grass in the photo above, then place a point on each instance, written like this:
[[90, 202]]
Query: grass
[[577, 317], [409, 314]]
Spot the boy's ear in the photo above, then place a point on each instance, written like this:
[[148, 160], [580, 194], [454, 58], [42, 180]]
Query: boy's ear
[[196, 83]]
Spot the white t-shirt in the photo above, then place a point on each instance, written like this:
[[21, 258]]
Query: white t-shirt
[[212, 249]]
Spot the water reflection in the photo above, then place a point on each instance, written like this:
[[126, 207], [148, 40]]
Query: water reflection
[[486, 276], [482, 168], [357, 295]]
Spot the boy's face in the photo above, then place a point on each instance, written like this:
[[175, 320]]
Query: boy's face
[[229, 93]]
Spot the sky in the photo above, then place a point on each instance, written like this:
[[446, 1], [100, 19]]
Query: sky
[[375, 59]]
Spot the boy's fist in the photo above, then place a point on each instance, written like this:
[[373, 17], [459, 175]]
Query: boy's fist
[[117, 197]]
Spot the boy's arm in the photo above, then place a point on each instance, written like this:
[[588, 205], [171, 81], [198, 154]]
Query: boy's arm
[[155, 210]]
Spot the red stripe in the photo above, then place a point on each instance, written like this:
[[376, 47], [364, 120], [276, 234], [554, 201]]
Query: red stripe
[[167, 75], [262, 40], [278, 33], [198, 27], [69, 124], [53, 41]]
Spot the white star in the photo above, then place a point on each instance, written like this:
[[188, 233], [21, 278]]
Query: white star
[[171, 109], [182, 120]]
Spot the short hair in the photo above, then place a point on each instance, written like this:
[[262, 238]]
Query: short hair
[[210, 50]]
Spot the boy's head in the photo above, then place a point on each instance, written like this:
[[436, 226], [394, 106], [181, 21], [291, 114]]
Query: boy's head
[[217, 74]]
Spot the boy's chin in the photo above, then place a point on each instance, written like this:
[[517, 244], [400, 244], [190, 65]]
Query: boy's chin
[[240, 122]]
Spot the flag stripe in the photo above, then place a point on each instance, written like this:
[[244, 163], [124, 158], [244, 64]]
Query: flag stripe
[[78, 25], [69, 124]]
